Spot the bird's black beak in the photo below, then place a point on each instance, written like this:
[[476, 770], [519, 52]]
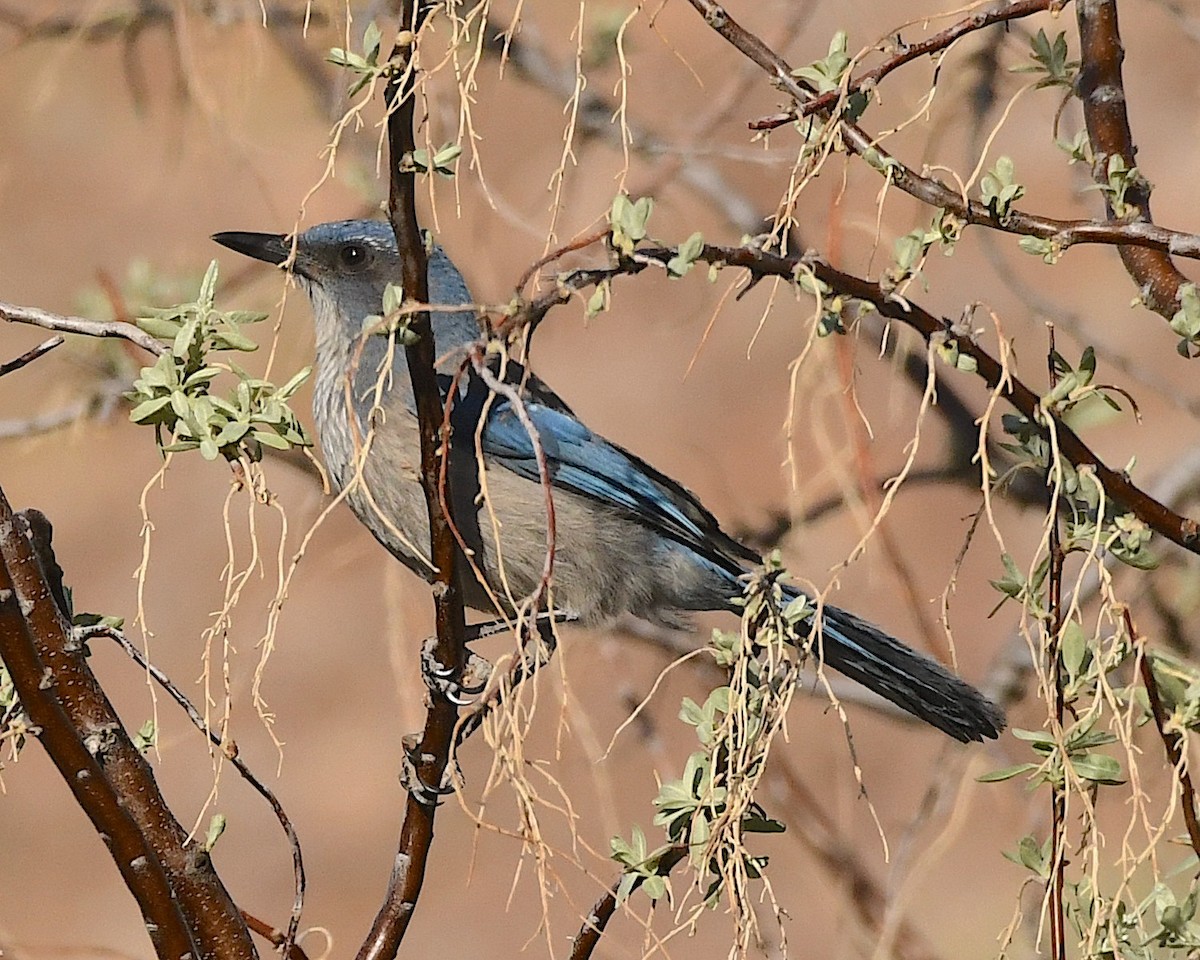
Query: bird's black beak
[[270, 247]]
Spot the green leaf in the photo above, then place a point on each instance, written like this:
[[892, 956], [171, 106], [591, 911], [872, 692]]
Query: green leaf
[[294, 384], [655, 887], [1046, 249], [232, 432], [393, 298], [1097, 767], [372, 37], [685, 257], [998, 187], [233, 340], [216, 827], [1073, 648], [181, 347], [1186, 321], [628, 220], [156, 327], [244, 316], [146, 736], [599, 300], [152, 411], [1031, 855], [1006, 773], [208, 286], [826, 74], [269, 439]]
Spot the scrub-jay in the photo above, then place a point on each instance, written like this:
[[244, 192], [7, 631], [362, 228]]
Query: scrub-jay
[[628, 538]]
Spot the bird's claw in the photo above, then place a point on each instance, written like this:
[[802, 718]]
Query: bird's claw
[[439, 678], [410, 775]]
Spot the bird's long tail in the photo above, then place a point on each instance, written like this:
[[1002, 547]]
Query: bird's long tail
[[907, 678]]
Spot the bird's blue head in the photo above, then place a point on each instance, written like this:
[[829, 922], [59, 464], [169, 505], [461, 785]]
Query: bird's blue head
[[345, 267]]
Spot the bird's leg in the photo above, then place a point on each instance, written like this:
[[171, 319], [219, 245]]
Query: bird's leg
[[478, 670]]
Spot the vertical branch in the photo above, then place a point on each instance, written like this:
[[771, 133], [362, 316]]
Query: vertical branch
[[432, 754], [1102, 91], [1058, 791], [187, 910]]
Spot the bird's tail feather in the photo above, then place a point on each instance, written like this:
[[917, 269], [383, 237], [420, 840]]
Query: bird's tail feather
[[909, 679]]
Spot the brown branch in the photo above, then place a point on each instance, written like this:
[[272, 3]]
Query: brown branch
[[594, 923], [187, 910], [1172, 741], [1056, 881], [1102, 92], [279, 940], [30, 355], [432, 754], [1001, 12], [1061, 233], [286, 942], [90, 328], [1180, 530]]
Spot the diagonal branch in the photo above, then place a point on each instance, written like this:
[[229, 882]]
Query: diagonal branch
[[1142, 243], [1001, 12], [90, 328], [187, 910], [1181, 530], [30, 355]]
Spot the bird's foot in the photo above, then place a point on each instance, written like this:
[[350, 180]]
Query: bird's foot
[[410, 774], [440, 678]]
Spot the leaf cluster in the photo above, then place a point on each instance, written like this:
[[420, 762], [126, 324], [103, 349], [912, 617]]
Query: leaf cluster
[[174, 395]]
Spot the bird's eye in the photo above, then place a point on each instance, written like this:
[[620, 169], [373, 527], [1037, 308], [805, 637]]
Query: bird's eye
[[353, 256]]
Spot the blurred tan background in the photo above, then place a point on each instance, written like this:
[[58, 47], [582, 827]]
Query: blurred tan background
[[114, 153]]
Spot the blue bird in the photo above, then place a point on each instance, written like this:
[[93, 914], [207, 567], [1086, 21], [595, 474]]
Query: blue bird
[[628, 538]]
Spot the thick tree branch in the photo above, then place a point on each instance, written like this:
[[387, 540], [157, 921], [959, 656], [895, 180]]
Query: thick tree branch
[[187, 910], [1102, 91]]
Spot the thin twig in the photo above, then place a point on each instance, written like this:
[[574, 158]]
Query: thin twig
[[1001, 12], [89, 328], [1056, 882], [286, 941], [1171, 739], [30, 355], [294, 951], [595, 922]]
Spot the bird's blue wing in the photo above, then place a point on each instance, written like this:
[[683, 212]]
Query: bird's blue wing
[[587, 464]]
